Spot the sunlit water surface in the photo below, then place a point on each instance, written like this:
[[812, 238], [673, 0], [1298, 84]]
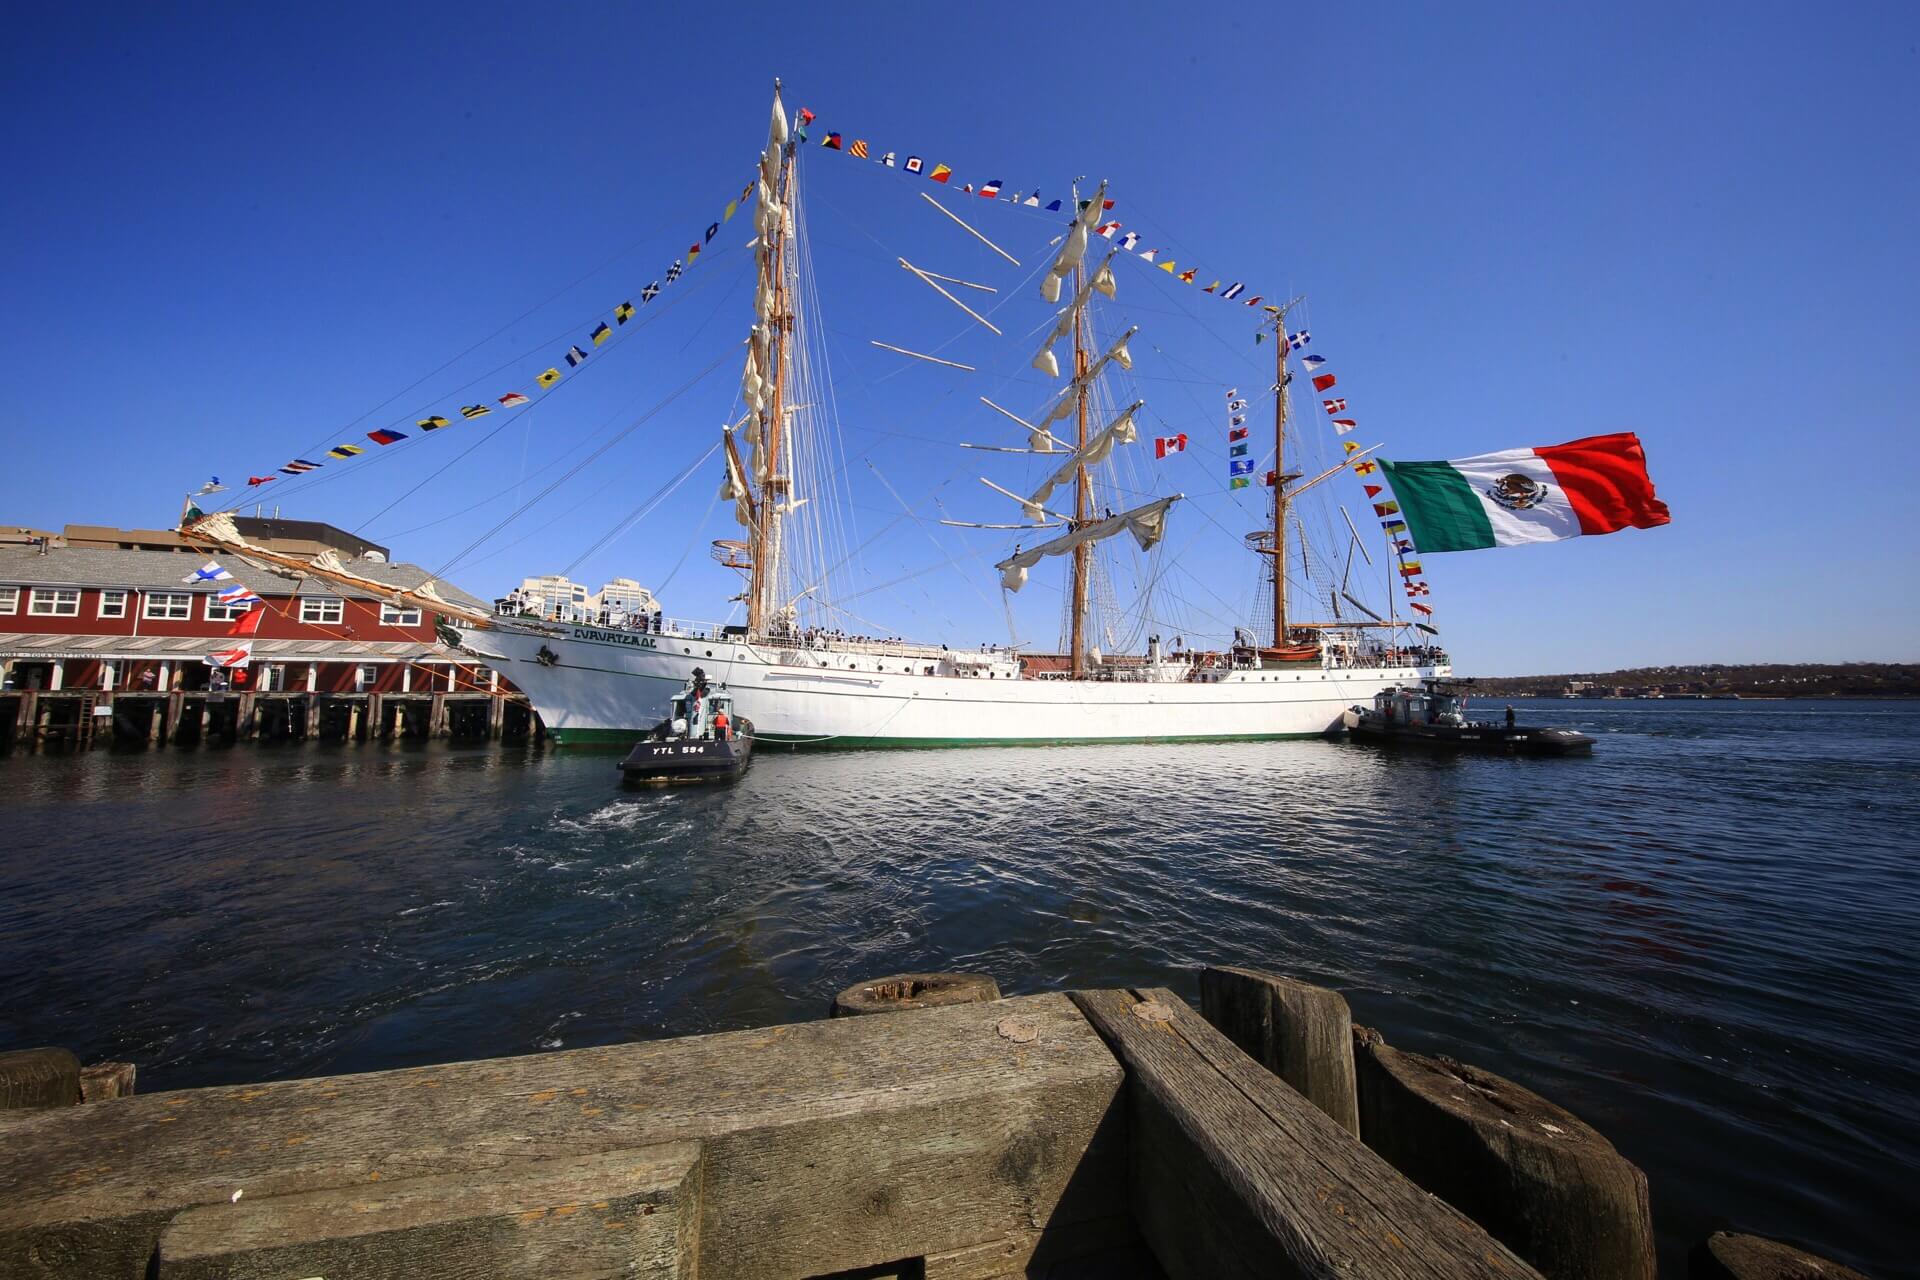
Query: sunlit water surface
[[1702, 940]]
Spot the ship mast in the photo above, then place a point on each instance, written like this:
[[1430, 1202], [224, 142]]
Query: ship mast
[[775, 488], [1282, 477], [1082, 490]]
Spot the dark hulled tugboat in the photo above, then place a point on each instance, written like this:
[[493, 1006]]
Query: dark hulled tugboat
[[701, 740], [1433, 714]]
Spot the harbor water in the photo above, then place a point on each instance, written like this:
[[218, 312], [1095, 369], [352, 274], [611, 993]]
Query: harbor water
[[1704, 940]]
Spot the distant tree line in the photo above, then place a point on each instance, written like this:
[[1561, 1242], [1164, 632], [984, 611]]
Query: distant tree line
[[1721, 680]]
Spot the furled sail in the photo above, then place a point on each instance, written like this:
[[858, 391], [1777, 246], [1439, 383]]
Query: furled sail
[[1148, 525], [1102, 280], [1099, 447], [1070, 399], [734, 489], [1075, 247]]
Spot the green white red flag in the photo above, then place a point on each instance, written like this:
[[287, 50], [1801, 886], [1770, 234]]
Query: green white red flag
[[1544, 494]]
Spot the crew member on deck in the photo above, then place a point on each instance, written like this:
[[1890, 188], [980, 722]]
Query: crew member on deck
[[721, 725]]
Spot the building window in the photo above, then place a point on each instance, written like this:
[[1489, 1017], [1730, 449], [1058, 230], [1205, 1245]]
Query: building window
[[176, 606], [9, 599], [54, 602], [113, 604], [365, 677], [217, 612], [392, 615], [322, 609]]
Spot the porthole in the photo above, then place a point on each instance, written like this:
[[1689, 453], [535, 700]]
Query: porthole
[[686, 651], [709, 653]]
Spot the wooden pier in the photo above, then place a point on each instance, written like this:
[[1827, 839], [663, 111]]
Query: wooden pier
[[80, 719], [1111, 1134]]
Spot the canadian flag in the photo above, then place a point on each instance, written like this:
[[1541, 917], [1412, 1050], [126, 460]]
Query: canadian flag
[[1164, 445]]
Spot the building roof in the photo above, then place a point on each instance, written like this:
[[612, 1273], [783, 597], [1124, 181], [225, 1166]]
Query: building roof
[[265, 531], [162, 571]]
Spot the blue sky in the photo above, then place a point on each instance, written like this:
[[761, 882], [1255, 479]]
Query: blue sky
[[228, 233]]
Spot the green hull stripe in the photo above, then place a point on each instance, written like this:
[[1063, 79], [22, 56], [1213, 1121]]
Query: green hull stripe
[[1440, 506], [588, 738]]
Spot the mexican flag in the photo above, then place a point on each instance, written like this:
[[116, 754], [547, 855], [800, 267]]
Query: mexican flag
[[1596, 485]]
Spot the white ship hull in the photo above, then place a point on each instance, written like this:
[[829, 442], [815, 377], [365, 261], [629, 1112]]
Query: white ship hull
[[593, 685]]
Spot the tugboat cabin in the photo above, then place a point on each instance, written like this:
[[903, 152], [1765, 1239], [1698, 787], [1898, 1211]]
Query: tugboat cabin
[[700, 713]]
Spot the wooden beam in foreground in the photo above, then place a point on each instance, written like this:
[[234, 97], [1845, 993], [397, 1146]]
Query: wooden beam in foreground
[[1236, 1176], [823, 1147]]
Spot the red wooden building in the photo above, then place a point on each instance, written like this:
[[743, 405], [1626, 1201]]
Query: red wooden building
[[121, 618]]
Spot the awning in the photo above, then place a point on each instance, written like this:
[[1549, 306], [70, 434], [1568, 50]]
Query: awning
[[52, 645]]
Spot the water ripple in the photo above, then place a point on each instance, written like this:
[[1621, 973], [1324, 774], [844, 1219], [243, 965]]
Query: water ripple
[[1702, 940]]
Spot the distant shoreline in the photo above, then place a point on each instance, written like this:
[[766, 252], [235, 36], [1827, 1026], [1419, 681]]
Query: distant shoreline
[[1797, 681]]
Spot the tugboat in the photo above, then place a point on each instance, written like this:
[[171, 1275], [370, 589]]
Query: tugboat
[[700, 741], [1433, 714]]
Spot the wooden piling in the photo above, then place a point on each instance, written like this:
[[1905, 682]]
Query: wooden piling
[[35, 1078], [1727, 1256], [902, 991], [1301, 1033], [104, 1081], [1538, 1178]]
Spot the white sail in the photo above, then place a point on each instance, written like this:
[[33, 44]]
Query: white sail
[[734, 489], [1148, 525], [1070, 399], [1103, 279], [1098, 449]]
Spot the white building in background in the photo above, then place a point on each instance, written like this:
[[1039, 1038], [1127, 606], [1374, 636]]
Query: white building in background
[[626, 597], [558, 598]]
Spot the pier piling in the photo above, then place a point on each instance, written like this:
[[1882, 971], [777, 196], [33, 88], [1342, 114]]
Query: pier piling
[[1301, 1033], [1727, 1256], [902, 991], [1538, 1178], [34, 1078]]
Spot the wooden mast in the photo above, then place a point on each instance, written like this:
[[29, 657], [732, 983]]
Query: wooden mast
[[1280, 478], [1082, 493], [766, 534]]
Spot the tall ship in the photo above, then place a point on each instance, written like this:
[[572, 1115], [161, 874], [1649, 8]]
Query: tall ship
[[802, 666]]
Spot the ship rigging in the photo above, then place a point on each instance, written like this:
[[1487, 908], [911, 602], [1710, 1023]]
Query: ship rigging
[[803, 681]]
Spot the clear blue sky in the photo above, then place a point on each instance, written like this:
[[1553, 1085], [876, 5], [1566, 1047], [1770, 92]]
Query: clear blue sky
[[229, 234]]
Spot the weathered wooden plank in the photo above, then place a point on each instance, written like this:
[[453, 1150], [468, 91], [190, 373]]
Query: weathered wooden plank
[[1300, 1032], [1033, 1252], [627, 1215], [828, 1145], [1234, 1174], [38, 1078], [1727, 1256], [1533, 1174]]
